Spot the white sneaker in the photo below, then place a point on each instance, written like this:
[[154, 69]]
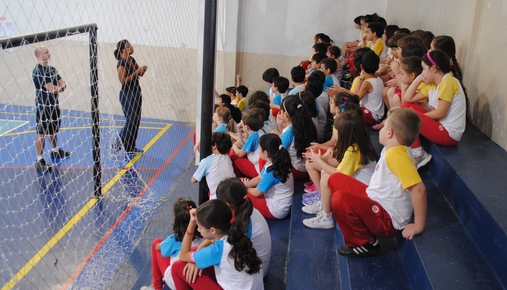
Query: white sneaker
[[148, 287], [422, 159], [313, 208], [320, 221]]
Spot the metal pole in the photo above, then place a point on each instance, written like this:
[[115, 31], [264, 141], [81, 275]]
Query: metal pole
[[208, 72], [94, 90]]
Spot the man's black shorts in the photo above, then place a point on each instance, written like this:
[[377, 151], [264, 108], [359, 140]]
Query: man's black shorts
[[48, 120]]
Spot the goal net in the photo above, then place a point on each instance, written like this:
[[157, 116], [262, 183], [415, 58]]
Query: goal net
[[54, 232]]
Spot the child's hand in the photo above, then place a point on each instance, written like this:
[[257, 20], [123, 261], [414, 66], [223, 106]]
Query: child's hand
[[395, 66], [240, 126], [192, 216], [191, 272], [391, 83], [333, 90], [157, 247], [329, 153], [362, 75], [279, 120], [314, 146], [197, 146], [239, 79], [411, 230]]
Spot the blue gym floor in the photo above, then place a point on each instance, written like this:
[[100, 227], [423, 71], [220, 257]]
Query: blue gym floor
[[79, 232]]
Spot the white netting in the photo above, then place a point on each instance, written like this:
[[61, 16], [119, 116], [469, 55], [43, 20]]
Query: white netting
[[53, 233]]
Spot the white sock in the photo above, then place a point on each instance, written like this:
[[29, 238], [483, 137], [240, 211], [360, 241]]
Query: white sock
[[39, 158], [417, 151], [55, 149]]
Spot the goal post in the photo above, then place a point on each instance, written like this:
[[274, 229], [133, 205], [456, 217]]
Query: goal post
[[91, 29]]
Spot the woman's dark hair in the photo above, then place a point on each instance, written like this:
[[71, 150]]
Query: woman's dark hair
[[217, 214], [269, 74], [440, 58], [233, 192], [120, 46], [226, 99], [309, 102], [426, 38], [357, 20], [181, 210], [351, 130], [413, 49], [412, 64], [303, 127], [279, 156]]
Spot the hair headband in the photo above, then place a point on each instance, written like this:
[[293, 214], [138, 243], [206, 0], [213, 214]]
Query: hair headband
[[299, 106], [432, 61], [280, 147]]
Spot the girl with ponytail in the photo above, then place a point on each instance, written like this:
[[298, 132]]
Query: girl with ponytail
[[271, 192], [232, 255], [234, 193], [298, 134], [444, 117]]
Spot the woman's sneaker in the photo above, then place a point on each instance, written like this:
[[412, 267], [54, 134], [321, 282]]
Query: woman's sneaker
[[313, 208], [321, 221], [41, 165], [368, 249], [60, 154]]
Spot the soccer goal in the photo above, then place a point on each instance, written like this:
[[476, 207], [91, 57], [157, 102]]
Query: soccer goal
[[72, 225]]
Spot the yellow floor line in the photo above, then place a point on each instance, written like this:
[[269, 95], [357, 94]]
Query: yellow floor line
[[56, 238]]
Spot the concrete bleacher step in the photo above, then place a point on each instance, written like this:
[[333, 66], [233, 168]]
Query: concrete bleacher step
[[472, 178], [444, 256], [312, 257]]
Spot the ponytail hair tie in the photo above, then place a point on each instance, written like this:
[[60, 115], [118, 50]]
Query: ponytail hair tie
[[229, 118], [432, 61], [245, 196], [280, 147], [299, 106], [232, 220], [189, 207]]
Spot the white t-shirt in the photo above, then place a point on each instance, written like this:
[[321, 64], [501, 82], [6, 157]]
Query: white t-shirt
[[287, 138], [227, 276], [216, 168], [171, 248], [373, 101], [450, 90], [278, 194], [394, 174], [261, 238]]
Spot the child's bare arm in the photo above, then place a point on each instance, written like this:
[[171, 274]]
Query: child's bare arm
[[418, 193]]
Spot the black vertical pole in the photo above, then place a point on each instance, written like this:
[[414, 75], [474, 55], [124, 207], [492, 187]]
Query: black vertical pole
[[208, 80], [94, 80]]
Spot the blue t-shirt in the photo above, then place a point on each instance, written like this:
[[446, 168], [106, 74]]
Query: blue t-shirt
[[221, 128], [268, 180], [251, 143], [328, 83], [277, 100], [170, 246], [287, 137]]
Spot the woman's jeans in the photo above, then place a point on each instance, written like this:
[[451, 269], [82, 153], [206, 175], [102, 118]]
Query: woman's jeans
[[131, 106]]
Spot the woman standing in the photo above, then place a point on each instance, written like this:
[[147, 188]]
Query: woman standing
[[130, 96]]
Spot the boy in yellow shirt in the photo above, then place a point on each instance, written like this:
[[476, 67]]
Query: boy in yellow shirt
[[382, 209]]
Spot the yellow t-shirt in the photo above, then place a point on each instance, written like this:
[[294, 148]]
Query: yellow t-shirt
[[402, 166], [351, 161], [355, 86], [241, 104]]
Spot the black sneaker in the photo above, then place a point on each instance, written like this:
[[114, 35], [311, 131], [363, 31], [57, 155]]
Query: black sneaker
[[60, 154], [41, 165], [136, 151], [368, 249]]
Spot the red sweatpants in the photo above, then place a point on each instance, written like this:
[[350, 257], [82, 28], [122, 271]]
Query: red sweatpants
[[261, 205], [368, 117], [359, 217], [431, 129], [158, 265], [206, 282], [242, 166]]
